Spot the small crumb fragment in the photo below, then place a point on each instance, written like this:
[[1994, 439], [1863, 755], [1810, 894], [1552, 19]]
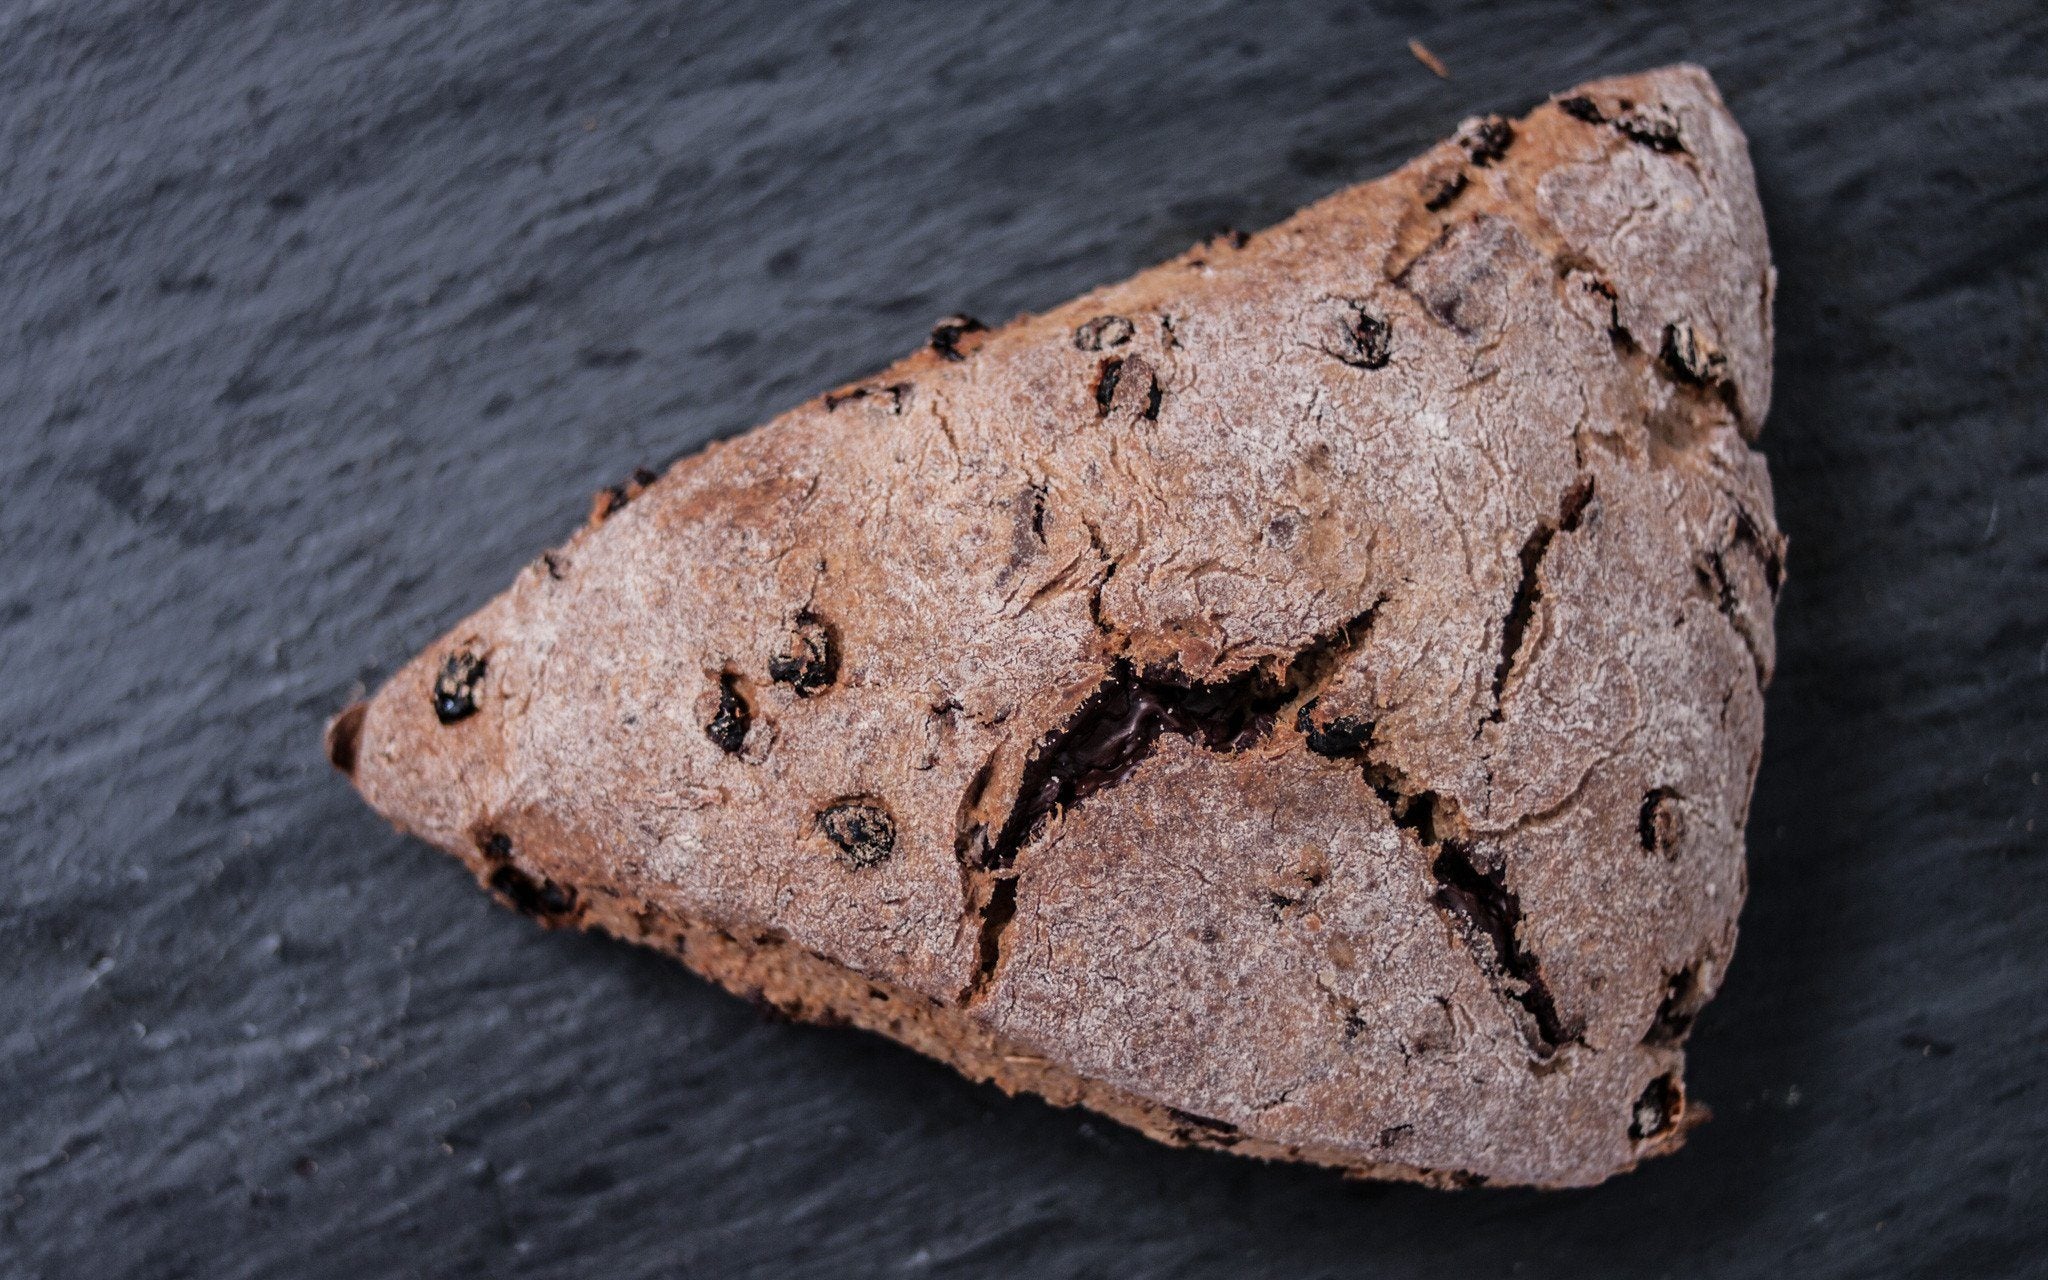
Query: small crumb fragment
[[1428, 59]]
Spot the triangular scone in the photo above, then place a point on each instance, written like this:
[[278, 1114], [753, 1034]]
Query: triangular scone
[[1301, 700]]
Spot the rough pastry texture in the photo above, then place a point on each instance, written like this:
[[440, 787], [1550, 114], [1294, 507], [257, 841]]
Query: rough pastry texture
[[1301, 700]]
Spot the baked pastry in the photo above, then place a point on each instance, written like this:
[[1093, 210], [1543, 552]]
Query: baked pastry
[[1301, 700]]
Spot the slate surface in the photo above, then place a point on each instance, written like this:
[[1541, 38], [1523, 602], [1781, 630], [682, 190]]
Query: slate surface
[[317, 321]]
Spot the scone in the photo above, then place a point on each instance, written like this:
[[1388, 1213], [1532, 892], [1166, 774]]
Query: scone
[[1301, 700]]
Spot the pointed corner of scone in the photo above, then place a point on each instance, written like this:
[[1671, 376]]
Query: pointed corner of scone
[[342, 735]]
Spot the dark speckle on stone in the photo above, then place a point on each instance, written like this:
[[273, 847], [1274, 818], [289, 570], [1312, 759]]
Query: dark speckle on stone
[[1925, 1045]]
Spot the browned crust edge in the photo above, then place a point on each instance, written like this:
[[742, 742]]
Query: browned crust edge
[[774, 973]]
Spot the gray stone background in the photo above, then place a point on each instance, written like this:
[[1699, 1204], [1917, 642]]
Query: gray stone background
[[316, 321]]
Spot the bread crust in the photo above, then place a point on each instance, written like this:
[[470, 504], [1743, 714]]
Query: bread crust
[[1303, 699]]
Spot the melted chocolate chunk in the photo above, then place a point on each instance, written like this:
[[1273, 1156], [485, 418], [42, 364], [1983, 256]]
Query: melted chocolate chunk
[[1581, 108], [613, 498], [1105, 385], [1118, 374], [1339, 738], [1357, 336], [1683, 1000], [946, 335], [808, 660], [1105, 741], [1491, 912], [1487, 140], [861, 830], [1446, 192], [455, 687], [1657, 826], [542, 899], [728, 728], [1652, 127], [1689, 358], [1103, 332], [896, 393], [1657, 1110]]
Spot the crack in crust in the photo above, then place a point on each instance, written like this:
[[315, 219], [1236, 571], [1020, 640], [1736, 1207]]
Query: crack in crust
[[1710, 570], [1529, 593], [1105, 741], [1483, 910], [1489, 912]]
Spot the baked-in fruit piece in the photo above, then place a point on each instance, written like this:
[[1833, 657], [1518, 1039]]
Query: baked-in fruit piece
[[1302, 700]]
